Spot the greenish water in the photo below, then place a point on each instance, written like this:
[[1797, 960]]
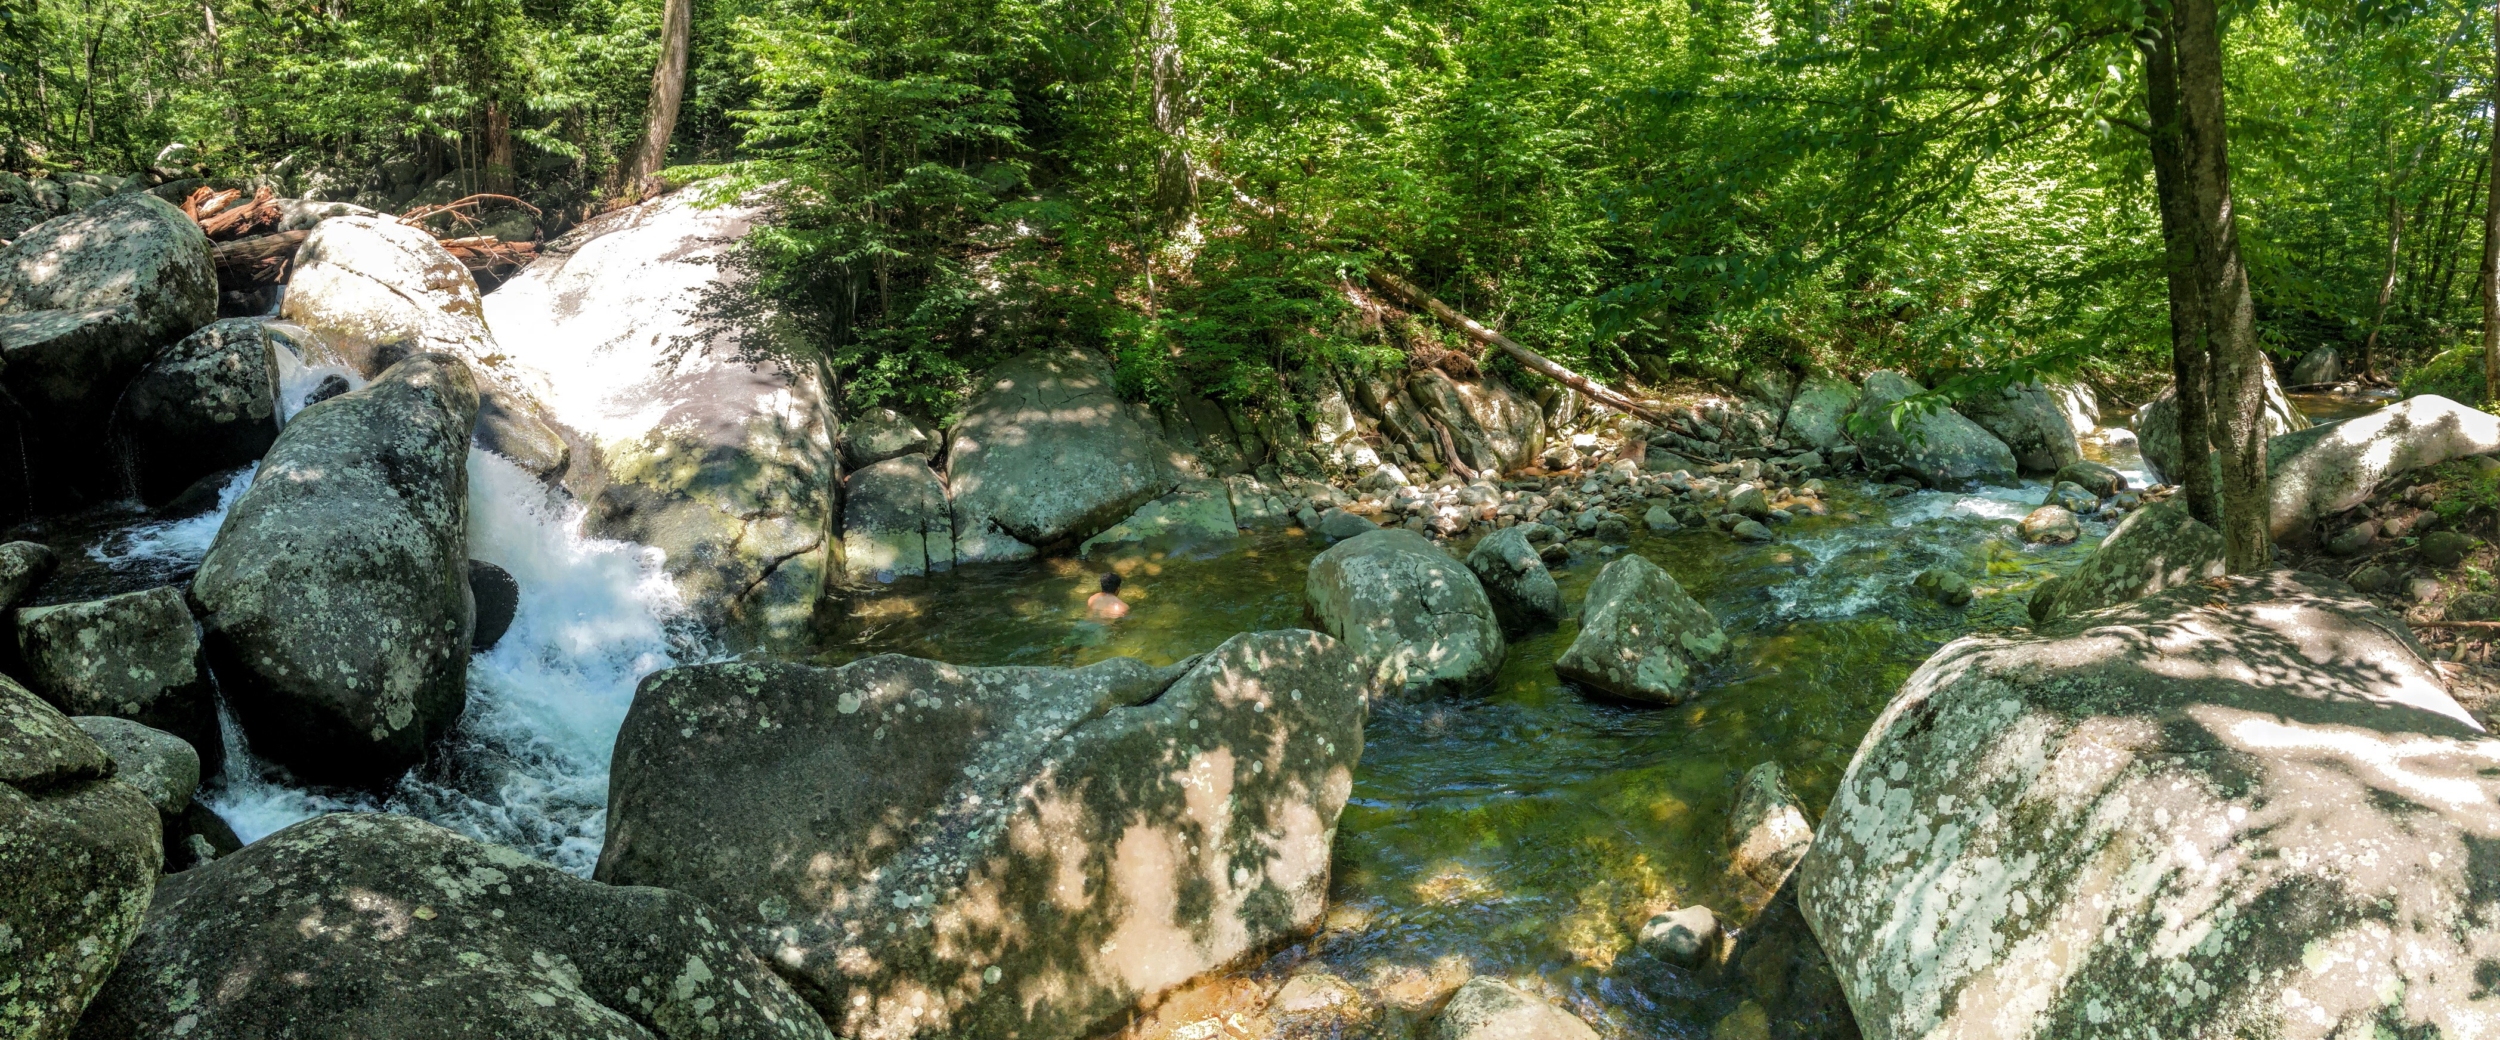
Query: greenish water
[[1530, 830]]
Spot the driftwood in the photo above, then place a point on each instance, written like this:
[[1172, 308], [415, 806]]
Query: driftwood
[[2484, 626], [1534, 361], [259, 260], [1449, 450], [422, 212]]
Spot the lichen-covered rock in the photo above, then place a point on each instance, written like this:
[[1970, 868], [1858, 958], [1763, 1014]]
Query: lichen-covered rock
[[878, 434], [2172, 819], [2050, 525], [158, 764], [1418, 618], [1522, 591], [2157, 547], [22, 564], [1819, 413], [206, 404], [933, 850], [2157, 425], [2319, 366], [1641, 636], [382, 927], [85, 300], [134, 656], [726, 467], [1942, 449], [895, 523], [1047, 452], [1495, 427], [2326, 469], [1491, 1009], [2032, 425], [80, 852], [2072, 497], [336, 597], [1767, 834], [1199, 511]]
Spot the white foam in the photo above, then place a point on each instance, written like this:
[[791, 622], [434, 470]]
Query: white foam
[[297, 380], [159, 543]]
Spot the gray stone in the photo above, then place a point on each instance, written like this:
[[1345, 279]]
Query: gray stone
[[1257, 506], [1522, 591], [1767, 834], [1613, 530], [1688, 936], [1417, 618], [1491, 1009], [2354, 540], [1749, 531], [727, 467], [879, 434], [2097, 479], [924, 846], [1660, 520], [1196, 513], [388, 927], [1641, 636], [2323, 470], [80, 852], [336, 597], [2171, 818], [1495, 427], [2374, 578], [2424, 590], [498, 597], [1047, 453], [2447, 548], [2155, 548], [2318, 367], [1944, 449], [158, 764], [2157, 425], [1386, 478], [1749, 501], [895, 522], [22, 564], [1944, 585], [1337, 525], [205, 405], [306, 214], [2028, 419], [2050, 525], [2074, 498], [134, 656]]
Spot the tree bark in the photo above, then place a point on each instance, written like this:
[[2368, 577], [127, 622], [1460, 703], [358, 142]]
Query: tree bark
[[1534, 361], [668, 87], [1176, 184], [2187, 301], [2489, 287], [2236, 373], [499, 173]]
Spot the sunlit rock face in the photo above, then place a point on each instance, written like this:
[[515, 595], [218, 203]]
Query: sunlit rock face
[[2326, 469], [1047, 453], [931, 850], [2243, 809], [373, 926]]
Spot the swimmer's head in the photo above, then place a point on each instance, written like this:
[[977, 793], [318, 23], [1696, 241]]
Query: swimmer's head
[[1111, 582]]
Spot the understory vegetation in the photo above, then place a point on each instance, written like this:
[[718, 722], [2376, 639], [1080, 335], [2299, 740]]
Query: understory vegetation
[[1198, 187]]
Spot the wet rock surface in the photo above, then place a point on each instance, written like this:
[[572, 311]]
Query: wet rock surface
[[205, 404], [335, 600], [938, 850], [1514, 577], [1641, 636], [1490, 1009], [1941, 448], [1418, 618], [2033, 819], [385, 926]]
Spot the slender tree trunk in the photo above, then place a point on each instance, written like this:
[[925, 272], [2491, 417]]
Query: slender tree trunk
[[1176, 185], [2237, 373], [668, 87], [499, 175], [2489, 288], [2187, 302], [2386, 287]]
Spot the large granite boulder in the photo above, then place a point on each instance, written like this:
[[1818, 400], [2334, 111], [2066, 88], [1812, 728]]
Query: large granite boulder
[[2157, 547], [2250, 810], [85, 300], [22, 565], [2157, 425], [2323, 470], [1046, 453], [386, 927], [1496, 427], [1941, 448], [335, 598], [1818, 415], [374, 291], [1514, 577], [934, 850], [80, 851], [162, 767], [206, 404], [1418, 618], [2031, 422], [895, 522], [1196, 513], [135, 656], [2318, 367], [1641, 636], [879, 434], [726, 466]]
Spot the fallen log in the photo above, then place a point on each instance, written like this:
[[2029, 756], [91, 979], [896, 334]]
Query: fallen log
[[1534, 361], [259, 260]]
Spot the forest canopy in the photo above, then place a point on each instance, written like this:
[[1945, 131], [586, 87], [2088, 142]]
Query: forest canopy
[[1198, 186]]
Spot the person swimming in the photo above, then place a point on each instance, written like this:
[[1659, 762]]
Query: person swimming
[[1107, 604]]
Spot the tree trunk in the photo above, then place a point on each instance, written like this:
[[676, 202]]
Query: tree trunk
[[2187, 302], [2386, 287], [668, 87], [1529, 359], [1176, 185], [2236, 368], [2489, 287], [498, 171]]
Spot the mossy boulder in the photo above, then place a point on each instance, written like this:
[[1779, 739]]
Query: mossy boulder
[[135, 656], [1941, 448], [1417, 617], [1642, 637], [2157, 547]]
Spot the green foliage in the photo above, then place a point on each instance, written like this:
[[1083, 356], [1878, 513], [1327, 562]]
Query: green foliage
[[2456, 374]]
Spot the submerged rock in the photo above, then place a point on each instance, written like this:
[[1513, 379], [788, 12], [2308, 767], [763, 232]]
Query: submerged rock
[[1418, 618], [134, 656], [1767, 834], [1688, 936], [80, 852], [384, 927], [1047, 452], [1944, 585], [206, 404], [895, 522], [336, 597], [1641, 637], [2032, 425], [2157, 425], [1515, 580], [926, 847], [2264, 818], [2324, 470], [727, 467], [1942, 448], [2154, 548], [1491, 1009]]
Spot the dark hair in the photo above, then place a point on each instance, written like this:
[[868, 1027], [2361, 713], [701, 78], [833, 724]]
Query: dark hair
[[1111, 581]]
